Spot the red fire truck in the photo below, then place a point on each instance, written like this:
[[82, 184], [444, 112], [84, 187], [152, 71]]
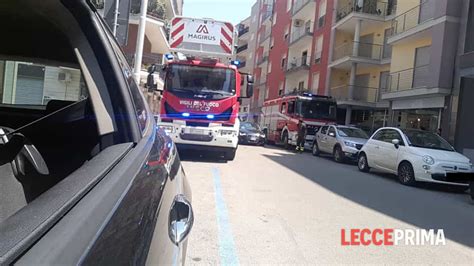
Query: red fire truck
[[202, 93], [280, 117]]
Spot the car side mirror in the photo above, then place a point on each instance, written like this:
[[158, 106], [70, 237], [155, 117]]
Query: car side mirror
[[396, 142]]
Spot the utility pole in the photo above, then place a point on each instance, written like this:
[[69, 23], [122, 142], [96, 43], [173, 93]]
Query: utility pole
[[140, 41], [116, 14]]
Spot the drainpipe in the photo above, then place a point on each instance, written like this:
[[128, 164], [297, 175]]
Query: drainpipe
[[140, 41]]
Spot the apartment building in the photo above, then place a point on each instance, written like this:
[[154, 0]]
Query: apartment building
[[292, 40], [246, 34], [459, 127], [360, 59], [156, 31]]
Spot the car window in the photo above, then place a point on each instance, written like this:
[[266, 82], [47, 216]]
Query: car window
[[379, 135], [283, 108], [332, 130], [388, 135], [324, 130], [291, 107]]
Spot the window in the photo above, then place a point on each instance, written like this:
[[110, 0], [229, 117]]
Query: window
[[274, 19], [283, 108], [388, 135], [287, 32], [280, 89], [322, 13], [324, 130], [252, 36], [319, 48], [315, 86], [291, 107], [269, 67], [301, 85], [272, 40], [283, 62], [288, 5], [331, 131]]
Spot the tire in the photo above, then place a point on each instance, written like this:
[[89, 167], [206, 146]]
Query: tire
[[406, 175], [230, 154], [315, 149], [286, 145], [362, 163], [338, 155]]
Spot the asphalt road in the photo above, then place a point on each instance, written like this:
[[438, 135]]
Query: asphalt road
[[271, 206]]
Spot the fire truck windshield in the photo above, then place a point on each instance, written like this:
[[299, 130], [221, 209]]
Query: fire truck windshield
[[188, 81], [315, 109]]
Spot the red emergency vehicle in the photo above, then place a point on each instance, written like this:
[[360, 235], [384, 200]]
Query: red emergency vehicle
[[280, 117]]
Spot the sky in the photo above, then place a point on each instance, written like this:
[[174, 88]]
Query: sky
[[233, 11]]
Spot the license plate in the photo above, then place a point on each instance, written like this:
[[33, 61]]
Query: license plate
[[253, 138], [196, 131]]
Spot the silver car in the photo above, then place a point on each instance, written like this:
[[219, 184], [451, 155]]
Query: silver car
[[343, 142]]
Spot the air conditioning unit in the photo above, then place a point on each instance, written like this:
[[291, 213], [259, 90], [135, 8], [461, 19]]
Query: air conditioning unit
[[64, 77], [298, 23]]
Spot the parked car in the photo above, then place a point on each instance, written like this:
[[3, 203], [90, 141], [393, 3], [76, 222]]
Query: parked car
[[414, 155], [250, 133], [85, 176], [343, 142]]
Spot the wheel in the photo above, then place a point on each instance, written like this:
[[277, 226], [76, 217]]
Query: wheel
[[406, 175], [230, 154], [286, 145], [315, 150], [338, 155], [362, 163]]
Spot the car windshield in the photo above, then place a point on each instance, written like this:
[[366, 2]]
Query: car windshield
[[314, 109], [428, 140], [200, 82], [249, 126], [351, 132]]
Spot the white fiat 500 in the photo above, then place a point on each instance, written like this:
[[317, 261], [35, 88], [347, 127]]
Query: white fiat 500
[[414, 155]]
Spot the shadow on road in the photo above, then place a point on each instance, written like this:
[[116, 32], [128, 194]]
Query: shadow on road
[[428, 206], [201, 156]]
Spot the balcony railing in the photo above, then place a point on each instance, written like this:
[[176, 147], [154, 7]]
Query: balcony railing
[[268, 12], [297, 63], [372, 7], [418, 77], [243, 30], [360, 93], [299, 4], [242, 48], [262, 59], [265, 35], [413, 17], [299, 32], [366, 50]]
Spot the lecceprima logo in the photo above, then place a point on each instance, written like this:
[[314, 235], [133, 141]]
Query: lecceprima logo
[[391, 237]]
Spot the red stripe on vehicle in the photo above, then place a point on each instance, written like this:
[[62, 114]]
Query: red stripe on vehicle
[[177, 42], [177, 31], [224, 33], [176, 20], [225, 47], [230, 27]]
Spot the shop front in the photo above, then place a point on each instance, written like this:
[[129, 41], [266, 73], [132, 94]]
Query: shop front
[[424, 114]]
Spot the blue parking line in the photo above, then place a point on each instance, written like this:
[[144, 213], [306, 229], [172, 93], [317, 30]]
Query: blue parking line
[[227, 251]]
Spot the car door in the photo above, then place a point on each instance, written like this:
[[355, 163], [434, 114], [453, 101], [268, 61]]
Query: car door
[[321, 138], [388, 152], [331, 139], [372, 148]]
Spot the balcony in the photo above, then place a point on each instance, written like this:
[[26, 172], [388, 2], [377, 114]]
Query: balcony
[[262, 59], [367, 53], [242, 48], [362, 96], [414, 21], [413, 82], [242, 31], [267, 13], [265, 35], [297, 64], [299, 33], [303, 9], [374, 8]]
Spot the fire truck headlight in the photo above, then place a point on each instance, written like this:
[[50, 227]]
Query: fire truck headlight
[[228, 132]]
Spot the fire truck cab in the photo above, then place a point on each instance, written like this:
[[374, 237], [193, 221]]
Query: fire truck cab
[[280, 117]]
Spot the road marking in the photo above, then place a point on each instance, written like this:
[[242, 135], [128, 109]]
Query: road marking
[[226, 240]]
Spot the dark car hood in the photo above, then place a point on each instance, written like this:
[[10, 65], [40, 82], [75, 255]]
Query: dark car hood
[[250, 131]]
